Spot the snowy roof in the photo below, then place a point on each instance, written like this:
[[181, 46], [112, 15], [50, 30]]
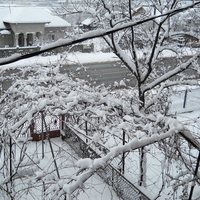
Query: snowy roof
[[25, 15], [30, 15], [57, 22], [5, 32], [88, 21], [62, 1]]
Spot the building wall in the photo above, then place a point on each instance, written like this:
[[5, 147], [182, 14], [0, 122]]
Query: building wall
[[27, 28], [54, 33], [6, 41], [31, 35]]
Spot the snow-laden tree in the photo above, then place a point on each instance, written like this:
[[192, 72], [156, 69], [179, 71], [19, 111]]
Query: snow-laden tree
[[143, 48], [142, 36], [107, 113], [37, 91]]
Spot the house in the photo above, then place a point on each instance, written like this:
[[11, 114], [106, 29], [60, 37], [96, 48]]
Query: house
[[89, 24], [139, 11], [29, 26]]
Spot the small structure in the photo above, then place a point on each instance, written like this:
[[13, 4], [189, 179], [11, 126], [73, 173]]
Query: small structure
[[139, 11], [38, 136], [51, 128], [29, 26], [89, 24]]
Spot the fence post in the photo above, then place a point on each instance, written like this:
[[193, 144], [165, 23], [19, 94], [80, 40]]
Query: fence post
[[123, 155], [11, 169], [51, 147], [86, 124], [195, 174], [185, 99], [42, 119], [32, 126], [113, 177], [62, 121]]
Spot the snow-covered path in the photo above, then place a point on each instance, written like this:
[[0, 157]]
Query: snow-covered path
[[66, 159]]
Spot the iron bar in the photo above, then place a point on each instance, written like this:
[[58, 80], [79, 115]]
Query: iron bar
[[54, 160], [195, 174]]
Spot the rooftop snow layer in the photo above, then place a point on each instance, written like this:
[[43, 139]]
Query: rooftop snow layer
[[30, 15], [25, 15]]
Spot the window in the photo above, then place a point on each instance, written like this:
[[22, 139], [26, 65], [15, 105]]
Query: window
[[51, 37]]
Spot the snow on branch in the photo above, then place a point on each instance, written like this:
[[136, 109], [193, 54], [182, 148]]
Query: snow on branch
[[93, 165], [168, 75], [93, 34]]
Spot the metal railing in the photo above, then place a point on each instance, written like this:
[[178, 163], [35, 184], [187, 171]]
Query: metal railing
[[123, 187], [6, 52]]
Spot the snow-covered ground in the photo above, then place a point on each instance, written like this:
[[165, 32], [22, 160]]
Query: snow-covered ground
[[66, 160], [189, 114], [83, 58], [71, 58], [186, 99], [190, 117], [96, 188]]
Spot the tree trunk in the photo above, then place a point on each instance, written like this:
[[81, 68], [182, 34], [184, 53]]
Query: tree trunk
[[142, 153], [143, 167]]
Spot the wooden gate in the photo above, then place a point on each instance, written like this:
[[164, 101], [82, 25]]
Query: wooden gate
[[38, 127]]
